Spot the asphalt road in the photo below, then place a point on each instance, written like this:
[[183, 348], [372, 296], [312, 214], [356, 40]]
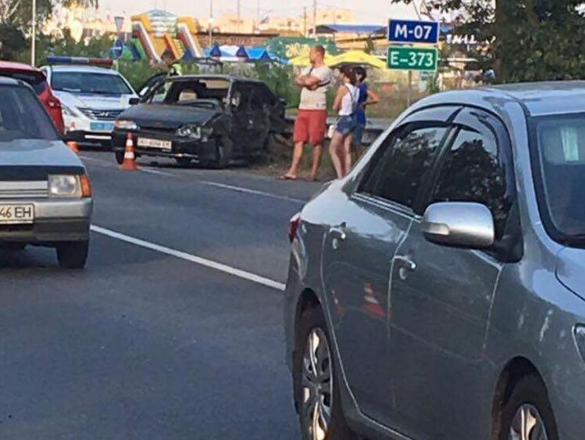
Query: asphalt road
[[174, 330]]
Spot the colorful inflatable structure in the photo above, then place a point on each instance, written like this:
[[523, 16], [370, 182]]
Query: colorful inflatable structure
[[157, 31]]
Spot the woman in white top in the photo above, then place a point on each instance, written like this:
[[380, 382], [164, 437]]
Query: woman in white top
[[345, 104]]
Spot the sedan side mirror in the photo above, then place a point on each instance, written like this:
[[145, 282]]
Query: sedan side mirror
[[461, 225], [134, 101]]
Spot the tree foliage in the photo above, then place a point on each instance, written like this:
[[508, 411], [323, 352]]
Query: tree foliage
[[11, 41], [18, 13], [531, 40]]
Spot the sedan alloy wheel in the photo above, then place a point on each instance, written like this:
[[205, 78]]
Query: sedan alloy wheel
[[317, 385]]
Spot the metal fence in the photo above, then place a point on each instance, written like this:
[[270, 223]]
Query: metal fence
[[374, 128]]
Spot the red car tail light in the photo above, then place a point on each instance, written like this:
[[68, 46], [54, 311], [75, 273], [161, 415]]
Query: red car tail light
[[54, 103], [295, 222]]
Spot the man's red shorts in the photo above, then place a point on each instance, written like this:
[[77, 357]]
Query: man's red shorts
[[311, 126]]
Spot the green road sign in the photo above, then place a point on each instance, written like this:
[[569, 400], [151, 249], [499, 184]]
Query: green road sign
[[413, 58]]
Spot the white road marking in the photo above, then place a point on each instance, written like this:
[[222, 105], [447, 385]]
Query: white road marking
[[158, 173], [192, 258], [94, 160], [251, 191], [209, 183]]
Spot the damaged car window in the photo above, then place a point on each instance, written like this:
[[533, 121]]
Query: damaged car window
[[189, 92]]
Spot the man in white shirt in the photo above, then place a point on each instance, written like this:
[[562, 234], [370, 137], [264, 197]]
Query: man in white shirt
[[311, 121]]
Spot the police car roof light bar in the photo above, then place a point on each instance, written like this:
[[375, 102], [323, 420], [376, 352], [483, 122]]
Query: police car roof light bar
[[103, 62]]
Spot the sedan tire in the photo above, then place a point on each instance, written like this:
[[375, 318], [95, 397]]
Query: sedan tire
[[527, 415], [183, 161], [73, 255], [315, 383], [223, 155]]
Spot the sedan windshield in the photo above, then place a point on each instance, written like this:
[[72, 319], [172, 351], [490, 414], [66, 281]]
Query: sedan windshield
[[211, 90], [561, 160], [90, 83], [22, 116]]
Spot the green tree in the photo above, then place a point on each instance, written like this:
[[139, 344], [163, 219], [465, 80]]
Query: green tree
[[370, 45], [530, 40], [19, 12], [11, 41]]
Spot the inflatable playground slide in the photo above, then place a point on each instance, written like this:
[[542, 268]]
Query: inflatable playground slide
[[149, 45]]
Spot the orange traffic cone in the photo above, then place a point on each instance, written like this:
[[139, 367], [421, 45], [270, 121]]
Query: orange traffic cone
[[73, 146], [371, 303], [129, 163]]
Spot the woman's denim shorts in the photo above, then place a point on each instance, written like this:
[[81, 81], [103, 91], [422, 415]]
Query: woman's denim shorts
[[345, 125]]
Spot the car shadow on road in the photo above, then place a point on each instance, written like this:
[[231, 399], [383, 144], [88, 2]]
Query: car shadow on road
[[236, 165], [30, 258]]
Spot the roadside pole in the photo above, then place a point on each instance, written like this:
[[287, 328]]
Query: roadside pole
[[116, 52], [33, 45], [211, 23], [315, 19], [402, 55], [409, 99]]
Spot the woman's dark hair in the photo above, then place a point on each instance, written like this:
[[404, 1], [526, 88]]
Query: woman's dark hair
[[360, 71], [349, 72]]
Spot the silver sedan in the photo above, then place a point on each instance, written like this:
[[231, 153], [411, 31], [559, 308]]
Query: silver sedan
[[438, 292], [45, 193]]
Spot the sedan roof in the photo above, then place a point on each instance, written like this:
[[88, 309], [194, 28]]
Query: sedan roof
[[549, 98], [83, 69], [537, 99], [229, 78], [8, 65]]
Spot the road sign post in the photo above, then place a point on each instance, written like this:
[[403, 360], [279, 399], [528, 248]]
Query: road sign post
[[413, 58], [403, 34], [117, 49], [409, 31]]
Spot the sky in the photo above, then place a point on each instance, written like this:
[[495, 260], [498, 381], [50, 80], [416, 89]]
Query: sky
[[373, 11]]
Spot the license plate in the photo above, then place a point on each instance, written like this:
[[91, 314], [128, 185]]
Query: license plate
[[16, 214], [155, 143], [101, 126]]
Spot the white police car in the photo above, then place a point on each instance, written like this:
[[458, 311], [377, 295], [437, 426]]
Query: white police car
[[92, 97]]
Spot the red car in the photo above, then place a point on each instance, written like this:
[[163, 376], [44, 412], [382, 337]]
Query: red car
[[37, 80]]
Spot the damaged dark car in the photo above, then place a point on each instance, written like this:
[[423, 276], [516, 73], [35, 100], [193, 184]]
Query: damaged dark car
[[211, 120]]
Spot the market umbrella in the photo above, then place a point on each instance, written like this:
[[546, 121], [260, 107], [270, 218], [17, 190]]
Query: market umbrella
[[304, 61], [242, 53], [215, 51], [357, 57], [265, 57]]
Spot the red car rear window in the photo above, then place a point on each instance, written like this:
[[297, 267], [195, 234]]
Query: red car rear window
[[23, 117], [35, 79]]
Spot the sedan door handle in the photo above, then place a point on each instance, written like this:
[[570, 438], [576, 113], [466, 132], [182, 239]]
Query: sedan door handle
[[339, 231], [405, 262]]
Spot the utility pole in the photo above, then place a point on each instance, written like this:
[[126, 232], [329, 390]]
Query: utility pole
[[305, 30], [258, 17], [315, 19], [239, 14], [33, 45], [210, 23]]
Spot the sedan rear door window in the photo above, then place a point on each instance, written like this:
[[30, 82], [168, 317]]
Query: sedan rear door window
[[401, 170]]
